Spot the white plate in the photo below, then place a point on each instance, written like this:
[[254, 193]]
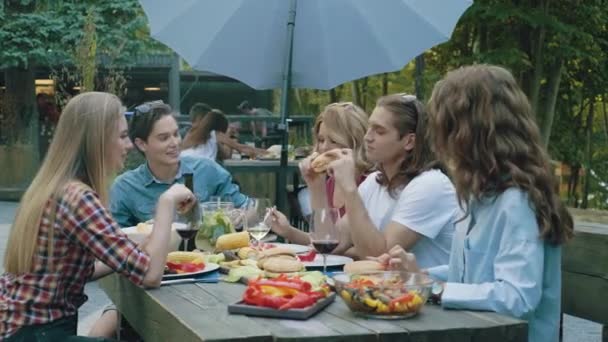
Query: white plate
[[332, 260], [133, 229], [295, 248], [209, 267], [139, 237], [269, 238]]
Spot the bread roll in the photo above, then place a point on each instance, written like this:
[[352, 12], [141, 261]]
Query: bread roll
[[277, 251], [363, 266], [320, 163], [281, 265], [232, 241]]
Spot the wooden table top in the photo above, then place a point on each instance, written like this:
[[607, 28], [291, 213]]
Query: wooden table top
[[198, 312]]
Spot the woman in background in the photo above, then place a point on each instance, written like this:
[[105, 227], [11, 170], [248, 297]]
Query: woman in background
[[208, 138]]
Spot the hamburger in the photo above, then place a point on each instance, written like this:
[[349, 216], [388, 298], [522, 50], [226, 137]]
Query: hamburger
[[362, 266], [320, 163], [279, 260]]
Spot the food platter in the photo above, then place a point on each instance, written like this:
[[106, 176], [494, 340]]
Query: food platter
[[251, 310]]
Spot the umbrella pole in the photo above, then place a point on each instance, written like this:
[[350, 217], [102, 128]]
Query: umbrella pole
[[281, 190]]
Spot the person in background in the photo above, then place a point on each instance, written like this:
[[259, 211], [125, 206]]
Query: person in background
[[197, 113], [154, 132], [409, 201], [506, 254], [246, 108], [62, 226], [208, 138], [339, 125], [48, 115]]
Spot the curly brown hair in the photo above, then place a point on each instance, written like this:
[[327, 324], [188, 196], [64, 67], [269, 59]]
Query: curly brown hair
[[481, 124], [409, 116]]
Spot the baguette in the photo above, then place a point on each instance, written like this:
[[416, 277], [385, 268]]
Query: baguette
[[363, 266], [232, 241]]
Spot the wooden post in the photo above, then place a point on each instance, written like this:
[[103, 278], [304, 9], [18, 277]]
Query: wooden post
[[174, 92]]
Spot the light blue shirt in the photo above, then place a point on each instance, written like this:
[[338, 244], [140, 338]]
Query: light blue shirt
[[134, 194], [501, 265]]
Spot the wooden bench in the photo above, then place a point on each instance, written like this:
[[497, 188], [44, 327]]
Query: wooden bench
[[585, 274]]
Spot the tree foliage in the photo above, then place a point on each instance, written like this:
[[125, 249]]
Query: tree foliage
[[47, 32]]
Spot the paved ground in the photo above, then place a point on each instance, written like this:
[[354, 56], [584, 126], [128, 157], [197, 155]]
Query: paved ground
[[575, 329]]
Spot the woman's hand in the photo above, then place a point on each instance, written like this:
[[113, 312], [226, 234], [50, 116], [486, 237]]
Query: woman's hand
[[344, 172], [181, 197], [312, 178], [398, 259], [278, 222], [254, 152]]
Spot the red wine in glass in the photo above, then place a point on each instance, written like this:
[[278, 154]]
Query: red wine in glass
[[325, 246], [186, 234]]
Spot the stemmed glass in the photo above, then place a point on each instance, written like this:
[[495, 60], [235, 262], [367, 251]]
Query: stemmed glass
[[185, 228], [324, 233], [257, 213]]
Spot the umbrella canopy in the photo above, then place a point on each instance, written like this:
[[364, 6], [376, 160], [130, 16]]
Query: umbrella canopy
[[319, 44], [334, 41]]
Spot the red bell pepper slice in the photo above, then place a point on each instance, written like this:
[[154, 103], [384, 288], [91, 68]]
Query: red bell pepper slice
[[406, 298], [253, 296], [301, 300], [301, 286], [310, 256]]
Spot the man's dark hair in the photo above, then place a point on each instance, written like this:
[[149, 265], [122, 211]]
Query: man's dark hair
[[144, 118]]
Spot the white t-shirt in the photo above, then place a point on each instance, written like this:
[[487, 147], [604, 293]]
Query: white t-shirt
[[206, 150], [427, 205]]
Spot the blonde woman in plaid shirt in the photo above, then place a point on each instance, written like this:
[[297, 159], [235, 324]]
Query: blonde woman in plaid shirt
[[62, 226]]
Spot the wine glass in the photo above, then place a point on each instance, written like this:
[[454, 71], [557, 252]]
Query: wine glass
[[186, 228], [323, 231], [257, 213]]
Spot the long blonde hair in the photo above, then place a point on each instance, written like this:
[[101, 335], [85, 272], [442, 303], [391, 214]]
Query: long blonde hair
[[347, 125], [77, 153]]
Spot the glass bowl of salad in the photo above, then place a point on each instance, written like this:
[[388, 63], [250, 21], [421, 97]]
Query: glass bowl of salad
[[384, 294]]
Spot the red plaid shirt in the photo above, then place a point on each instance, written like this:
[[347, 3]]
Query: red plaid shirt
[[83, 231]]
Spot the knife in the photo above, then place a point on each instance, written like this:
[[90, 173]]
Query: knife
[[188, 281]]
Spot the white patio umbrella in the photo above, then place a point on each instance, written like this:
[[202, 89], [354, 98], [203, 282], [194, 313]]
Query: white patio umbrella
[[316, 44]]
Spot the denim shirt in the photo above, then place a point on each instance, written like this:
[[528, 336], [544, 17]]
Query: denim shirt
[[498, 263], [134, 194]]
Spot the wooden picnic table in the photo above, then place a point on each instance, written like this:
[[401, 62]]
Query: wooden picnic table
[[198, 312]]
